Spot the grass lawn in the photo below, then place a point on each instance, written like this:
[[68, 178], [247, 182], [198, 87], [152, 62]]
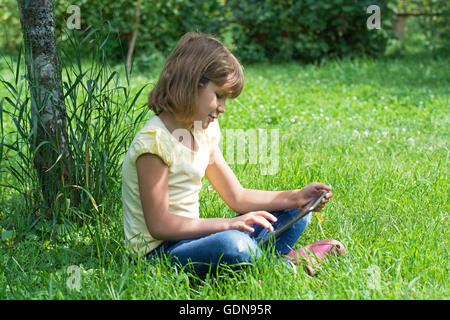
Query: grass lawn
[[377, 131]]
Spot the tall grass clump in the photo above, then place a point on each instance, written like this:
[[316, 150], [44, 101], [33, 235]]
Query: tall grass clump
[[101, 114]]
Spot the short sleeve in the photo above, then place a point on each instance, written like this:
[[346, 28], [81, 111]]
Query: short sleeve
[[151, 140], [213, 135]]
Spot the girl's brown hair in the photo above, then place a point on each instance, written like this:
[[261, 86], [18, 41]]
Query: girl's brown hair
[[197, 59]]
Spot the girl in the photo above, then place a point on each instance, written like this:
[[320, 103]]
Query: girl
[[164, 166]]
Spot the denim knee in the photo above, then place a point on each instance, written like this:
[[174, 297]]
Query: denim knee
[[237, 247]]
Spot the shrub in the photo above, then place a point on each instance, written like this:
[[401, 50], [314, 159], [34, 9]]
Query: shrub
[[162, 23], [306, 30], [260, 30]]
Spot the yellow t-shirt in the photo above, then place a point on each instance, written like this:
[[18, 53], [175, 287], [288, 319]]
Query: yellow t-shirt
[[186, 170]]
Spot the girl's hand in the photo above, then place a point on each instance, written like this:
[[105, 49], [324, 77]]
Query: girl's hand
[[245, 221], [311, 192]]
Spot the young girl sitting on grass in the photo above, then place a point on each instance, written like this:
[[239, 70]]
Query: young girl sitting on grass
[[164, 166]]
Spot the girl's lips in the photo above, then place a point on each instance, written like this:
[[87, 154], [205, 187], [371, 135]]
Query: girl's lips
[[211, 118]]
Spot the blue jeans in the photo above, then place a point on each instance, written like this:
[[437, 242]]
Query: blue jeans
[[231, 247]]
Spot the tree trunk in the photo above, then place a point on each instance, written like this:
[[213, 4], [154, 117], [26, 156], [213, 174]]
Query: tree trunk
[[52, 158], [134, 37]]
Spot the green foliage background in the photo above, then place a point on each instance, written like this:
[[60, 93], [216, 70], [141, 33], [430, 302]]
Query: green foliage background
[[265, 30], [257, 31], [307, 30]]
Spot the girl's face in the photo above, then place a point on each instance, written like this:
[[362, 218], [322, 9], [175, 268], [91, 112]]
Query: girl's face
[[211, 103]]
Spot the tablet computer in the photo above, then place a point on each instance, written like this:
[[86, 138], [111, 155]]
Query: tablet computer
[[302, 213]]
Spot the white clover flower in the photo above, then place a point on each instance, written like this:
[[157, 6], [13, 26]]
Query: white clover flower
[[326, 118], [355, 133], [366, 133], [338, 124], [385, 133]]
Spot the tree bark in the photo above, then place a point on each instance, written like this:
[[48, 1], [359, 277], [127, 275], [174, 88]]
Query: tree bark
[[52, 158]]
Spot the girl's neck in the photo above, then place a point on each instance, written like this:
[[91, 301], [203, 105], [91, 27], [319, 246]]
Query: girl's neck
[[172, 122]]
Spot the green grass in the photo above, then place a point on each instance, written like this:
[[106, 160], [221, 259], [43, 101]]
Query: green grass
[[377, 131]]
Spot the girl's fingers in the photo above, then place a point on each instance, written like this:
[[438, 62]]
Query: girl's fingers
[[248, 228], [327, 198], [259, 219], [323, 187], [267, 215], [264, 223]]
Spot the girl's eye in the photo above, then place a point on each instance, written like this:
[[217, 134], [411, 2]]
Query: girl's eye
[[218, 96]]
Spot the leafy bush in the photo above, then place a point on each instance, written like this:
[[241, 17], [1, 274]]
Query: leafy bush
[[259, 30], [306, 30], [162, 22]]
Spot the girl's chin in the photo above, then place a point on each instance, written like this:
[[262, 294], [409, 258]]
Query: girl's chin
[[205, 124]]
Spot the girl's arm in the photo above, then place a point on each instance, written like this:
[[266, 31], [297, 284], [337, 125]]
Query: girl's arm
[[242, 200], [154, 194]]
